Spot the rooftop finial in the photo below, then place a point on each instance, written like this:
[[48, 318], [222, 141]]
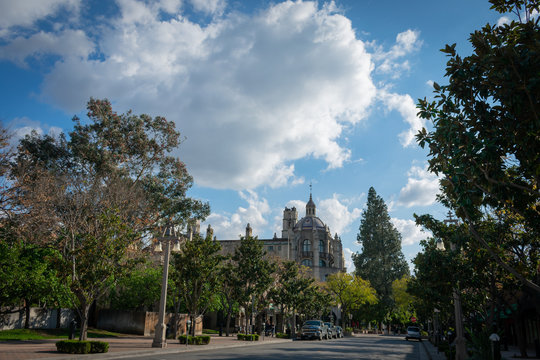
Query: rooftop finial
[[310, 189]]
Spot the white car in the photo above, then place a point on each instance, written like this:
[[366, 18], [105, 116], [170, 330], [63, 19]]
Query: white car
[[413, 332]]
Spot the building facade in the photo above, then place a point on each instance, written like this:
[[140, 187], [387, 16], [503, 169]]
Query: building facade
[[307, 241]]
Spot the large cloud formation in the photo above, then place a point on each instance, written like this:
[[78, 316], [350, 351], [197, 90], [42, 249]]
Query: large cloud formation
[[250, 94]]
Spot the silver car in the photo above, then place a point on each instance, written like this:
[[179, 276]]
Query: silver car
[[332, 331], [413, 332]]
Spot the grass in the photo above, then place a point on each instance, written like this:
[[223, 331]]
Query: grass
[[41, 334]]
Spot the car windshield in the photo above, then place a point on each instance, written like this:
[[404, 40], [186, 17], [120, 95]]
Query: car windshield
[[412, 328], [312, 322]]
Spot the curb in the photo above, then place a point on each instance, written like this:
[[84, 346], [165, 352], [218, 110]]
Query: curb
[[139, 353]]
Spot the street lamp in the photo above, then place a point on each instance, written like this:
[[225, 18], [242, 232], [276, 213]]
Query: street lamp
[[169, 235], [461, 350]]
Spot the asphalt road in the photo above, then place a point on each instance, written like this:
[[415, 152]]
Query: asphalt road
[[365, 347]]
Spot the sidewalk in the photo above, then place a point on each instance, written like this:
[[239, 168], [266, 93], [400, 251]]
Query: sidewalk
[[119, 348], [431, 351], [511, 353]]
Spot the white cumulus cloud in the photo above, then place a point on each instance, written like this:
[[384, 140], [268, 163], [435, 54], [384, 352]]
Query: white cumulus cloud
[[250, 94], [231, 226], [405, 105], [26, 12], [421, 189], [391, 61], [410, 233]]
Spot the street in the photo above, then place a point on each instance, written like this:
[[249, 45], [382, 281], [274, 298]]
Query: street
[[365, 347]]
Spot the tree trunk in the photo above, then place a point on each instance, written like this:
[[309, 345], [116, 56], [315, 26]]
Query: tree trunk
[[228, 323], [85, 308], [27, 314], [58, 317]]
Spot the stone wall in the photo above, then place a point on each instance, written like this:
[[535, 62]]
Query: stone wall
[[39, 319], [142, 323]]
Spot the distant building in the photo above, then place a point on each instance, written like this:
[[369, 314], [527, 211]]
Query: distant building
[[307, 241]]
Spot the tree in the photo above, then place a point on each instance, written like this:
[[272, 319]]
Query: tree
[[196, 273], [96, 197], [381, 260], [485, 127], [253, 273], [294, 291], [228, 291], [350, 292], [403, 302], [140, 291]]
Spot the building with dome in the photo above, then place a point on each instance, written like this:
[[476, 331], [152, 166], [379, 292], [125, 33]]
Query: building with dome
[[307, 241]]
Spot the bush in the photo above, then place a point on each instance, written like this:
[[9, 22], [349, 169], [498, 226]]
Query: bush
[[195, 340], [210, 331], [81, 347], [349, 329], [99, 347], [250, 337], [283, 336]]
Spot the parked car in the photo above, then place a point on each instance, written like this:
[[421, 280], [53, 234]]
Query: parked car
[[332, 333], [313, 329], [413, 332], [339, 331]]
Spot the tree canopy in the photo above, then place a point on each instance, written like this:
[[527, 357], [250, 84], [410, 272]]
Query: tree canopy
[[486, 126], [381, 260]]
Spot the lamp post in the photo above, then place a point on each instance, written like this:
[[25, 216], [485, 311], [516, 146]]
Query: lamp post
[[169, 235], [461, 350]]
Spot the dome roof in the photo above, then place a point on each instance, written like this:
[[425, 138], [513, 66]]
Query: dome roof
[[309, 222]]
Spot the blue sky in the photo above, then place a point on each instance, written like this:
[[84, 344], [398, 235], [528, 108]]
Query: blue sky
[[270, 95]]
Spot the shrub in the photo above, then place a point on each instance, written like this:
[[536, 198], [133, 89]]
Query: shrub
[[250, 337], [99, 347], [210, 331], [195, 340], [348, 329], [283, 336], [81, 347]]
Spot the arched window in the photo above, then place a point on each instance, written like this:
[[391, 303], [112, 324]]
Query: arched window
[[322, 263], [307, 262], [321, 246], [306, 245]]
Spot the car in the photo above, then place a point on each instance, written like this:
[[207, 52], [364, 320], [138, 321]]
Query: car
[[332, 333], [413, 332], [339, 331], [313, 329]]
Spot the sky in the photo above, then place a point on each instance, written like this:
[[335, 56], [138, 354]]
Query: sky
[[270, 97]]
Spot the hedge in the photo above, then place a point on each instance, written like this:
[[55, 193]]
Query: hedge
[[283, 336], [81, 347], [250, 337], [195, 340]]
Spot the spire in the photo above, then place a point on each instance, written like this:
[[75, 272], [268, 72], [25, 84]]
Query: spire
[[310, 206]]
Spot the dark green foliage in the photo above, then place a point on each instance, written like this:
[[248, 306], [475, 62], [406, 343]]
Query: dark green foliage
[[253, 276], [381, 260], [81, 347], [139, 291], [195, 340], [248, 337], [283, 336], [486, 125], [196, 273]]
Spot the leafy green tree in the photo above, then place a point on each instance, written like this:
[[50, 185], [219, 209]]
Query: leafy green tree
[[403, 302], [96, 197], [228, 290], [253, 273], [381, 260], [350, 292], [196, 274], [139, 291], [485, 127], [294, 291]]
